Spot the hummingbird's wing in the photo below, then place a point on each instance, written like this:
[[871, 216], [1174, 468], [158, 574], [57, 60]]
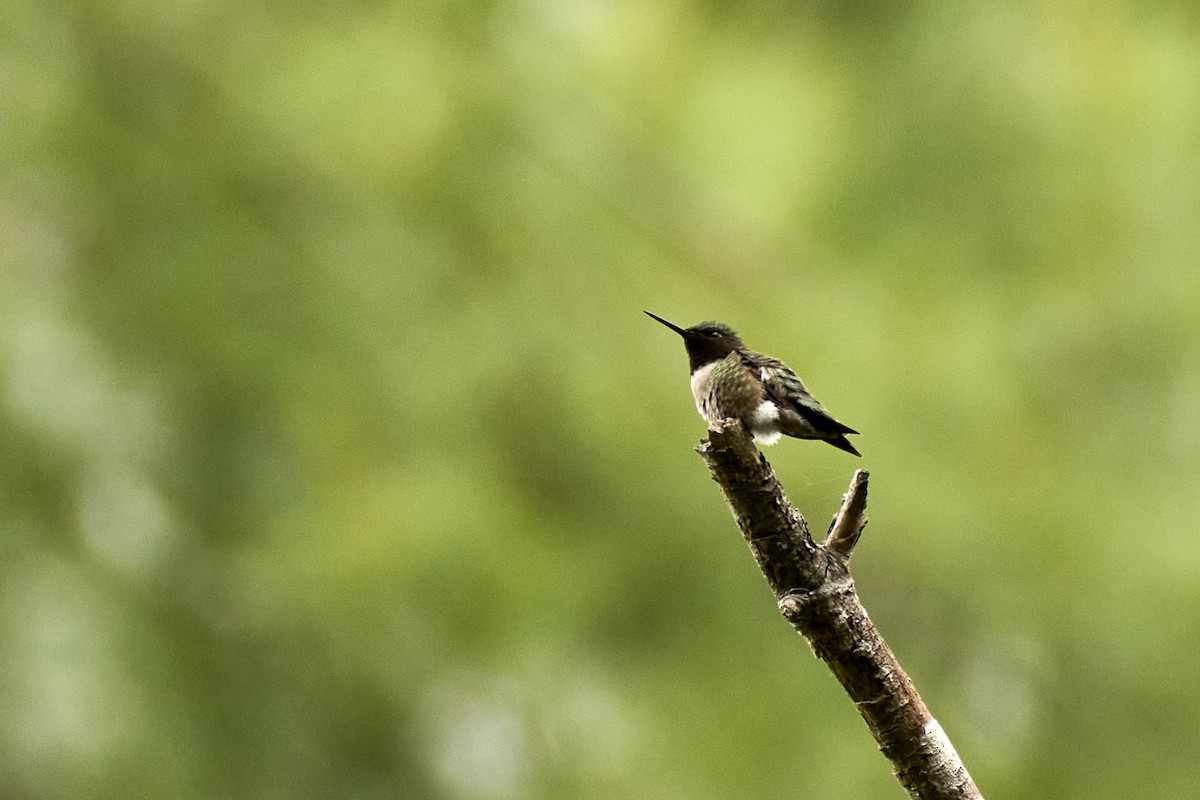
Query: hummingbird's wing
[[788, 391]]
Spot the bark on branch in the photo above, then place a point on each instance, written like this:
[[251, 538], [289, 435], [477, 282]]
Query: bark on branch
[[815, 593]]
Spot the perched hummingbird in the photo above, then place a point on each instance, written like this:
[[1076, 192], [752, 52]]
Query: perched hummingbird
[[730, 381]]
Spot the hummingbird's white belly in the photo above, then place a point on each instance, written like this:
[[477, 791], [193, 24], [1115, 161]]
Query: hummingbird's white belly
[[701, 391], [762, 422]]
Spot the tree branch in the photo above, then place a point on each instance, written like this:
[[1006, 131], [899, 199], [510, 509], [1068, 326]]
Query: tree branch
[[815, 593], [848, 523]]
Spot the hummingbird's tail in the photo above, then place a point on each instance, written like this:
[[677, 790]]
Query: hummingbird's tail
[[812, 421], [842, 443]]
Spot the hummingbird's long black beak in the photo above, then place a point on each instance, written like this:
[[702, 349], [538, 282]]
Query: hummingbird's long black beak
[[673, 327]]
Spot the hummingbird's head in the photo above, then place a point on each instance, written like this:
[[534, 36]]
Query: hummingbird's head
[[706, 342]]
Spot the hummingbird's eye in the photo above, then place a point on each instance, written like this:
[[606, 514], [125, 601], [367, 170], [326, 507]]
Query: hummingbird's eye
[[714, 334]]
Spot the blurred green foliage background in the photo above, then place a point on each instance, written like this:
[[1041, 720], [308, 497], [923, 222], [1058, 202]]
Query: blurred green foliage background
[[340, 461]]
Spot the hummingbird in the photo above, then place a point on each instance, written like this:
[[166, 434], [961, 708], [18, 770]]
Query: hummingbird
[[731, 381]]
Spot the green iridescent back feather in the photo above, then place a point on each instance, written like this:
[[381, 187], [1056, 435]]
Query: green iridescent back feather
[[786, 389]]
